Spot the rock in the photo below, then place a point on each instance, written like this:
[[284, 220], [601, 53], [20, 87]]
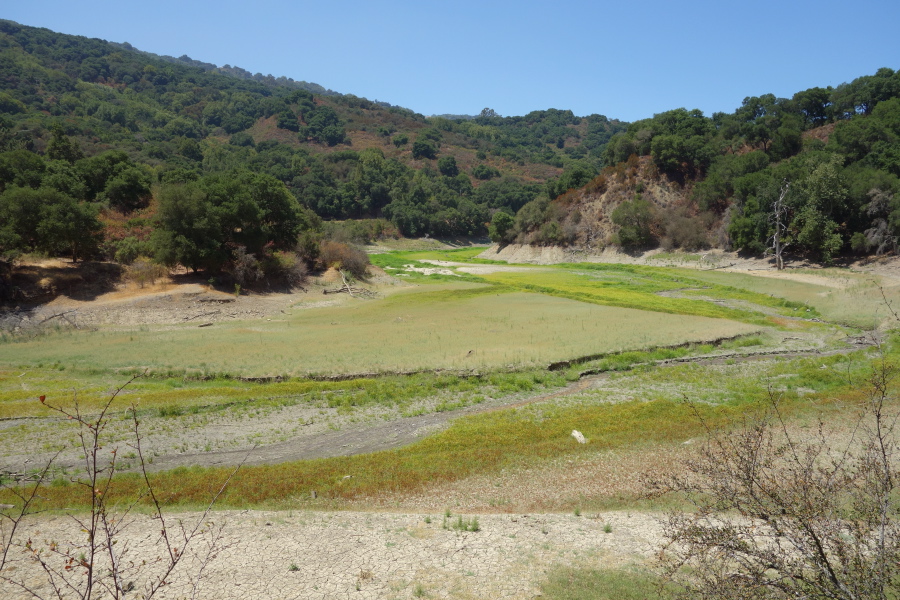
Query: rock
[[578, 436]]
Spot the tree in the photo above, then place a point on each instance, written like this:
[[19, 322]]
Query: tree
[[187, 228], [129, 190], [97, 170], [281, 218], [447, 166], [20, 215], [484, 172], [824, 200], [423, 149], [814, 104], [778, 218], [48, 220], [879, 236], [635, 221], [21, 168], [781, 515], [61, 147], [68, 226], [501, 224], [572, 178], [288, 120]]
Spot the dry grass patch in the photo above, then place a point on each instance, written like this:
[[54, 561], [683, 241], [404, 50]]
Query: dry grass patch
[[452, 327]]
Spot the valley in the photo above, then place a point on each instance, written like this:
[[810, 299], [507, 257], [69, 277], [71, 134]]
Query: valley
[[452, 389]]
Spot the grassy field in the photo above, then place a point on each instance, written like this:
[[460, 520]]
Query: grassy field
[[498, 331], [633, 413], [570, 583], [483, 341], [637, 289], [854, 299], [447, 326]]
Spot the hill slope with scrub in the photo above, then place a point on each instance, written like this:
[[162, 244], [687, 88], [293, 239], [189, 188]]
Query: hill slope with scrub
[[99, 129], [827, 156], [109, 152]]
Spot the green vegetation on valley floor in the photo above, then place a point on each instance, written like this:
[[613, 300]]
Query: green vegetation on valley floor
[[641, 406]]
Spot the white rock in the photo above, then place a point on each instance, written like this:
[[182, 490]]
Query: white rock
[[578, 436]]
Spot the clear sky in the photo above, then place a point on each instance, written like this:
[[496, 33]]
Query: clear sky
[[626, 60]]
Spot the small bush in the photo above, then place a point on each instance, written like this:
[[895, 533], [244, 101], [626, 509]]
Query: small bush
[[143, 271], [461, 524], [245, 268], [485, 172], [344, 257], [636, 221], [686, 231], [127, 250], [597, 185], [285, 267]]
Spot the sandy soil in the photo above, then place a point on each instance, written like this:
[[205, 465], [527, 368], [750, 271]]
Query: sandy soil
[[887, 267], [327, 555], [172, 301]]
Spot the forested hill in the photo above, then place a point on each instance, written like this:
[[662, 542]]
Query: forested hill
[[108, 151], [114, 127], [821, 168]]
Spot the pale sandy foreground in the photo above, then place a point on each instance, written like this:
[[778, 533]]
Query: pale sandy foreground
[[299, 554]]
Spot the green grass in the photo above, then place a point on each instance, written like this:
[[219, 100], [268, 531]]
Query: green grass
[[484, 443], [395, 263], [573, 583], [851, 298], [637, 288], [457, 255], [457, 327], [172, 397], [514, 324], [520, 438]]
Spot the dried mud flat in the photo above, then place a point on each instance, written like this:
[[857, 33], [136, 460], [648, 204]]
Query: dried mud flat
[[337, 555]]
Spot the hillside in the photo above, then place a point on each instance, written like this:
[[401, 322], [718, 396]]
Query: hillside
[[122, 153], [68, 100], [827, 158]]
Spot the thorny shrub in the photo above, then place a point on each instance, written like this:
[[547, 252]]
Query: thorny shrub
[[779, 514]]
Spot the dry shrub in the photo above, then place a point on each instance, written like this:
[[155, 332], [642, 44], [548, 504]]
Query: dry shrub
[[245, 268], [143, 271], [568, 197], [597, 185], [785, 515], [344, 257], [285, 267], [683, 230]]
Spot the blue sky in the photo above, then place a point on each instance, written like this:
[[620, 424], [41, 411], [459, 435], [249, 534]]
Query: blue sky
[[623, 60]]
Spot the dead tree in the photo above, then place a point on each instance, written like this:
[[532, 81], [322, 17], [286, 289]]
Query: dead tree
[[347, 288], [778, 217]]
